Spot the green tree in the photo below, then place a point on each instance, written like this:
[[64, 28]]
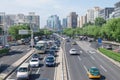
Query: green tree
[[99, 21], [14, 31]]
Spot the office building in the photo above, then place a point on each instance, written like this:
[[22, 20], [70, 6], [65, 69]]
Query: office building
[[34, 20], [72, 20], [53, 23], [105, 13], [64, 23], [92, 14], [117, 10]]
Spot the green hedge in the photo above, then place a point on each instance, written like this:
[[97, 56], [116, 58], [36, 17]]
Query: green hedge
[[2, 51], [111, 54]]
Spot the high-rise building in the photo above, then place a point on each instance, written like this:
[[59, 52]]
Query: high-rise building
[[84, 19], [105, 13], [64, 23], [18, 19], [72, 20], [33, 19], [117, 10], [2, 20], [54, 23], [10, 20], [96, 12], [92, 14]]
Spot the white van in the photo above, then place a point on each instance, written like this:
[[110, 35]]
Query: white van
[[23, 71]]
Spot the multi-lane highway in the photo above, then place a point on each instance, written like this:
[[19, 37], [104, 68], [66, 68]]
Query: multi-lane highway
[[88, 57], [15, 54], [40, 72]]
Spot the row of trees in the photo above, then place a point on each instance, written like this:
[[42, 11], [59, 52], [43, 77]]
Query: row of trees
[[14, 31], [109, 30]]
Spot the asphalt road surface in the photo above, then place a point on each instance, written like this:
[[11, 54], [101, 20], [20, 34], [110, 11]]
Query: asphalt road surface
[[88, 57], [15, 53], [40, 72]]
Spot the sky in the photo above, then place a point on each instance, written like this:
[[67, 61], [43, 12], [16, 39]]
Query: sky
[[46, 8]]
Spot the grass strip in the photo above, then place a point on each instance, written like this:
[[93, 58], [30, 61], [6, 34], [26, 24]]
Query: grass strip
[[115, 56]]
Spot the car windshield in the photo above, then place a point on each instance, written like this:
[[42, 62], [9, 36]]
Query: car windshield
[[23, 69], [94, 71], [50, 59], [34, 60], [39, 47], [73, 50], [35, 56]]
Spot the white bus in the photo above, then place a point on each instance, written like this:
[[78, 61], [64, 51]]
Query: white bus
[[41, 46]]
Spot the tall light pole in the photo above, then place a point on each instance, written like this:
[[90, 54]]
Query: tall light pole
[[32, 40]]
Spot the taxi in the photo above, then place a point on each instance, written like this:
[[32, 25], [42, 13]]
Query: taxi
[[93, 73]]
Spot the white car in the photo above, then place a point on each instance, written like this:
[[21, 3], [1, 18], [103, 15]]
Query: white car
[[73, 51], [23, 71], [34, 62]]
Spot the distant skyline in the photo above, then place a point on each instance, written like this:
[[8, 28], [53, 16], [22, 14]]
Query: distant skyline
[[46, 8]]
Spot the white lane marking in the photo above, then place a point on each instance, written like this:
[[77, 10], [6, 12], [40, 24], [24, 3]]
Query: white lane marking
[[19, 49], [103, 68], [14, 49], [44, 58], [22, 49], [38, 70], [85, 68], [81, 52], [92, 57], [92, 52], [79, 58], [28, 49]]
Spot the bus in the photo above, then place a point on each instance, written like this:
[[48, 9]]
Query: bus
[[41, 46]]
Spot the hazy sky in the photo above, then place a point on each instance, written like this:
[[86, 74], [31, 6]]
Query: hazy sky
[[45, 8]]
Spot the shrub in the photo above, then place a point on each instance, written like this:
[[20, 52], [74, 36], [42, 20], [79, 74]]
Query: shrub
[[2, 51]]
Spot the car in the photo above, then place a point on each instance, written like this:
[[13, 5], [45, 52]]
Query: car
[[91, 39], [93, 73], [109, 47], [54, 48], [35, 56], [23, 72], [73, 51], [74, 43], [50, 60], [34, 63], [51, 52]]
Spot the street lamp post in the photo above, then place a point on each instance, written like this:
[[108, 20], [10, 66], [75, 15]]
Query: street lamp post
[[32, 40]]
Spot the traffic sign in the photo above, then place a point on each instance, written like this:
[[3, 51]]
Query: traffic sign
[[23, 31], [99, 41]]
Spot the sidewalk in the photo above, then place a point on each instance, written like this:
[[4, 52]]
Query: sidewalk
[[111, 42], [5, 74]]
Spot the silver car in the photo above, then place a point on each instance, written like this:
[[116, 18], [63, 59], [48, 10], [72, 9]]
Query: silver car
[[73, 51]]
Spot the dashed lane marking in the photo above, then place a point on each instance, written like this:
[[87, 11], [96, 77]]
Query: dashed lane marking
[[79, 58], [85, 68], [92, 57], [103, 68]]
